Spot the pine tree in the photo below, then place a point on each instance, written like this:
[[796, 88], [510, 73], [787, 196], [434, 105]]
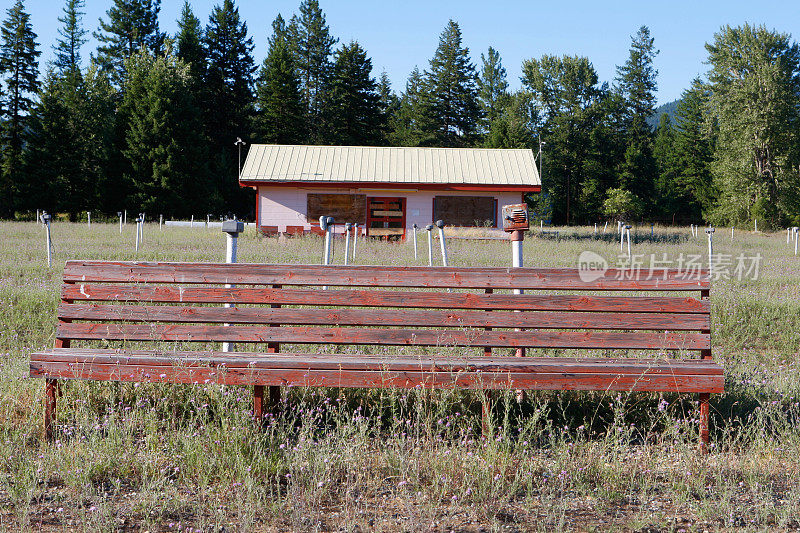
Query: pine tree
[[669, 200], [452, 86], [354, 113], [569, 106], [413, 123], [389, 105], [636, 82], [312, 45], [19, 69], [281, 114], [132, 25], [694, 144], [513, 124], [68, 47], [492, 86], [163, 143], [229, 101], [189, 44]]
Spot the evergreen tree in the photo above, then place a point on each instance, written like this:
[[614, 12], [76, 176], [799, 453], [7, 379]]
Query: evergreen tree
[[492, 86], [189, 45], [229, 101], [636, 82], [132, 25], [163, 143], [571, 109], [452, 85], [513, 123], [754, 87], [68, 47], [670, 202], [694, 147], [312, 45], [19, 69], [413, 123], [281, 114], [68, 142], [389, 104], [354, 113]]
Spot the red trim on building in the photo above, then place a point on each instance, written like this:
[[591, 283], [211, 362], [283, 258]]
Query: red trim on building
[[392, 186]]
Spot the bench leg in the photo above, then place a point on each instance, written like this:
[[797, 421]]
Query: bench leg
[[49, 407], [704, 415], [258, 402]]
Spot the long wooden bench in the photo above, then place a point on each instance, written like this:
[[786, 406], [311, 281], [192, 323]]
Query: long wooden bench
[[164, 322]]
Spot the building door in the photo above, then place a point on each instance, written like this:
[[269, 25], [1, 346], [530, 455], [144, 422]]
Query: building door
[[386, 217]]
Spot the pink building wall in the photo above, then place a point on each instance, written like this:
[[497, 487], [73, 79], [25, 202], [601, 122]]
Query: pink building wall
[[286, 206]]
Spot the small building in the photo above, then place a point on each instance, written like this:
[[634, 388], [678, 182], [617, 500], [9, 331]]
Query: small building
[[384, 189]]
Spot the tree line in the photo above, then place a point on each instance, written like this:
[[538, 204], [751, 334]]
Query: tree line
[[151, 123]]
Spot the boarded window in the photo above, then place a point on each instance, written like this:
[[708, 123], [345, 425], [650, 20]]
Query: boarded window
[[465, 210], [342, 207]]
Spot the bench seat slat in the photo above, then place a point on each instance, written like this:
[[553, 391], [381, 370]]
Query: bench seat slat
[[380, 298], [156, 358], [384, 317], [444, 277], [381, 378], [419, 337]]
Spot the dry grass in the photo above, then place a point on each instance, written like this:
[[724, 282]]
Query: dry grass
[[181, 458]]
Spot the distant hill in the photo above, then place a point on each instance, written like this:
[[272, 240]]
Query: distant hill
[[670, 108]]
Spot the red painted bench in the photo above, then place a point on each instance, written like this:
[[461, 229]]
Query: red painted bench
[[168, 321]]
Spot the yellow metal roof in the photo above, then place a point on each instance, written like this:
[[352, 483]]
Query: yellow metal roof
[[468, 166]]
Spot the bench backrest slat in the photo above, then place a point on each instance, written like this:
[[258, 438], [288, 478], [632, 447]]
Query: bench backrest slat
[[644, 340], [362, 276], [384, 317], [99, 292]]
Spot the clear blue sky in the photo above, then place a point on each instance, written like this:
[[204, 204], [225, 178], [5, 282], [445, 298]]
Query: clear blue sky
[[400, 35]]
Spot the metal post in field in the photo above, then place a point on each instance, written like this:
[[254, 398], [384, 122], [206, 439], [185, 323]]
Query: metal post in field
[[442, 245], [595, 228], [355, 240], [137, 234], [160, 221], [710, 233], [232, 230], [515, 223], [621, 231], [347, 228], [755, 222], [604, 227], [428, 228], [125, 217], [141, 227], [119, 214], [48, 240], [208, 220], [191, 222], [323, 225], [796, 238], [414, 234], [89, 218], [628, 236], [39, 220], [731, 233]]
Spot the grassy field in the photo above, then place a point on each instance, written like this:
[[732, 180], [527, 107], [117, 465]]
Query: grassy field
[[181, 458]]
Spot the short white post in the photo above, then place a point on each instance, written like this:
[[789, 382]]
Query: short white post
[[48, 241], [440, 225], [39, 220], [347, 228], [731, 233], [428, 228], [710, 233], [604, 227], [621, 231], [89, 218], [125, 217], [119, 214], [137, 234], [796, 238], [191, 222], [516, 238], [232, 229], [414, 234], [355, 240], [324, 225], [628, 234], [160, 221], [755, 222], [208, 220], [141, 227], [595, 228], [541, 224]]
